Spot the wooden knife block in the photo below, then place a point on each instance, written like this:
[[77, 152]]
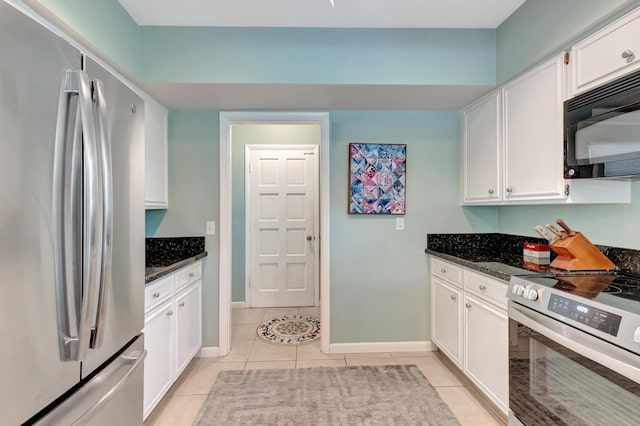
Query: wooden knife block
[[577, 253]]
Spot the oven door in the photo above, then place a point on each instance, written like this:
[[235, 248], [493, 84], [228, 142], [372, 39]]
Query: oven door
[[559, 375]]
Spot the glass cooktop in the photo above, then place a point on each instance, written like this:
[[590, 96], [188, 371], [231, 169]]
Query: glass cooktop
[[618, 290]]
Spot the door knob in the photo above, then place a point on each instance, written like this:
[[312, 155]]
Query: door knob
[[309, 238], [627, 54]]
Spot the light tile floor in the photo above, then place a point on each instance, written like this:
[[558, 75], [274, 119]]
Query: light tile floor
[[183, 401]]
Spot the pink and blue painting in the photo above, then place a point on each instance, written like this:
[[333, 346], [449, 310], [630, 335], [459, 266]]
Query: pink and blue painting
[[377, 178]]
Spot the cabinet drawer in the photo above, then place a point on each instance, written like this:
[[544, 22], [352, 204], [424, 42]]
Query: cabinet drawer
[[491, 290], [188, 275], [446, 270], [157, 292]]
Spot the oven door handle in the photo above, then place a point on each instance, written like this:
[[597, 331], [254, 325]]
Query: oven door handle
[[617, 359]]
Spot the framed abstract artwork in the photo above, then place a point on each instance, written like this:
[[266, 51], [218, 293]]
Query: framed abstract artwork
[[377, 178]]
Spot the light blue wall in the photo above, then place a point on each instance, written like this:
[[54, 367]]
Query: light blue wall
[[611, 225], [105, 25], [318, 56], [540, 28], [194, 199], [256, 134], [379, 286]]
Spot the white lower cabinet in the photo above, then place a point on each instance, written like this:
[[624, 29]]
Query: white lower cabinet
[[447, 314], [158, 374], [469, 325], [173, 331], [188, 325], [486, 340]]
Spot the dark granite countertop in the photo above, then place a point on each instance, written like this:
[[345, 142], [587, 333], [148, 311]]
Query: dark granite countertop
[[499, 270], [152, 273], [168, 254], [500, 255]]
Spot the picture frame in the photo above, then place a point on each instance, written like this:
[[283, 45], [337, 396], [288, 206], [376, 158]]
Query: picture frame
[[377, 178]]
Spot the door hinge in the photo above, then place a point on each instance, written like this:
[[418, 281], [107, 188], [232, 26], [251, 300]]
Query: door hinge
[[566, 57], [567, 190]]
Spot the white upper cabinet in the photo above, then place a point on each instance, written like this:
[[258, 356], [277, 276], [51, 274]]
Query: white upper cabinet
[[533, 129], [607, 54], [156, 176], [513, 146], [482, 150]]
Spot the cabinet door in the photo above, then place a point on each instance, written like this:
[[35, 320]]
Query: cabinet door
[[533, 125], [188, 325], [486, 349], [446, 302], [158, 366], [482, 150], [155, 127], [607, 54]]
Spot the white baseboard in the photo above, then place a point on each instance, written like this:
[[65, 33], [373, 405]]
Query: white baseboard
[[237, 305], [208, 352], [350, 348]]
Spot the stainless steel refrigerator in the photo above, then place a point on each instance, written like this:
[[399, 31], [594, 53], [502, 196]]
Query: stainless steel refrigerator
[[71, 234]]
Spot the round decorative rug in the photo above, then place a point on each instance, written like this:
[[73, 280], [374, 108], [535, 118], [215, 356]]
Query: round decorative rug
[[290, 330]]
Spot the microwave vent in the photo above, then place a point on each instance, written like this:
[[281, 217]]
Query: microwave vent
[[629, 82]]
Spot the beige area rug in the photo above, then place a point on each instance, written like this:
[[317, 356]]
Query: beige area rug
[[358, 395], [289, 330]]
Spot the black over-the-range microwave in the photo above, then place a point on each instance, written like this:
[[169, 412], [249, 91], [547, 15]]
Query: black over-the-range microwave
[[602, 131]]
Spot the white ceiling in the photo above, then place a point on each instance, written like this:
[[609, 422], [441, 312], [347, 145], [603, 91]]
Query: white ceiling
[[320, 13]]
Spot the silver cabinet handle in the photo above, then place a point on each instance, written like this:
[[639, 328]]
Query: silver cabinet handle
[[443, 271], [453, 297], [169, 313], [627, 54], [491, 191], [192, 274], [509, 189], [482, 287], [156, 294], [181, 304], [468, 305]]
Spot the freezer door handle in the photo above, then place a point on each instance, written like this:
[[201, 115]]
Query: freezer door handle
[[106, 185], [135, 359]]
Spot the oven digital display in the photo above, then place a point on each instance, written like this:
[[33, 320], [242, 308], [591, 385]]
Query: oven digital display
[[585, 314]]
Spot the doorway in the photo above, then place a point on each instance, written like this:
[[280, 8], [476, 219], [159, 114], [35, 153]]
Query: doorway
[[281, 224], [227, 121]]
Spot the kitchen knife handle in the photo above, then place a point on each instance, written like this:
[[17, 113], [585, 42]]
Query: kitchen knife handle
[[553, 229], [540, 230], [565, 227]]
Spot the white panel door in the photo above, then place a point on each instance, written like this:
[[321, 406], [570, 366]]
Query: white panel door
[[282, 209]]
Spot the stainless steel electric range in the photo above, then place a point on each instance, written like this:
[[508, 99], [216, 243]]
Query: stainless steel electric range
[[574, 349]]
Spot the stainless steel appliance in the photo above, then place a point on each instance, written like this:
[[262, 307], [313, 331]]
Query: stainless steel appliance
[[71, 234], [602, 131], [574, 350]]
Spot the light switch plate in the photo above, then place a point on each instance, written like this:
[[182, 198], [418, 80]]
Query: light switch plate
[[400, 224], [211, 228]]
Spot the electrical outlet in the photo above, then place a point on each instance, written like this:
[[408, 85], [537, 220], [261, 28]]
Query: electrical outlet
[[400, 224], [211, 228]]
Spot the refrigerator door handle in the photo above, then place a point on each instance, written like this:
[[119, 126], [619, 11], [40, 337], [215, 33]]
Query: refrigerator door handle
[[107, 209], [77, 82], [66, 195]]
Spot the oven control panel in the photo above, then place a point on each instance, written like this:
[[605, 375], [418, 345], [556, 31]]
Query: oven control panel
[[599, 319]]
